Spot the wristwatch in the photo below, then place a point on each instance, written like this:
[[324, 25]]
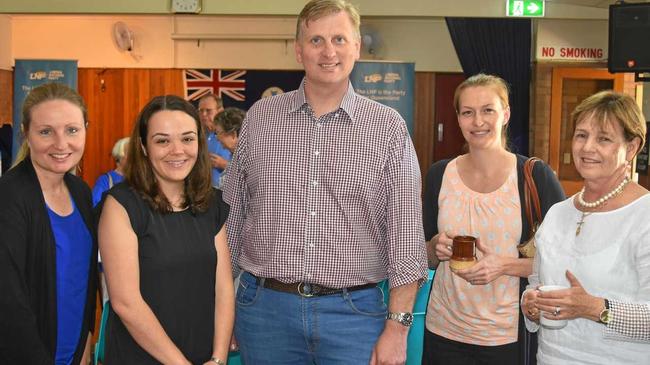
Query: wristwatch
[[403, 318], [605, 316]]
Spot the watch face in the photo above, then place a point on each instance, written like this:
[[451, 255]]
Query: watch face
[[407, 319], [604, 316]]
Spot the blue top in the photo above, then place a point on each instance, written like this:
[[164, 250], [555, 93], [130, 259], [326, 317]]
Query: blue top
[[73, 245], [214, 146], [102, 184]]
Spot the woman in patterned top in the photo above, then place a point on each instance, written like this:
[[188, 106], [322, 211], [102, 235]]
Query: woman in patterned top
[[473, 313], [597, 243]]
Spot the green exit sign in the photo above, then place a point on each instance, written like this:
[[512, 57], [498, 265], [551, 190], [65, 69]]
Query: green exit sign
[[525, 8]]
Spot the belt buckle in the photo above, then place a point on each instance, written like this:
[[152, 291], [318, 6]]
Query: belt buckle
[[302, 292]]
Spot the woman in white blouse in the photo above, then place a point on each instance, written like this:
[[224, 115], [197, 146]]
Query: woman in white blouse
[[597, 243]]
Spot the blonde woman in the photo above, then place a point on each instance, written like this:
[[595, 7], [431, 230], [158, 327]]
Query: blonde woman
[[47, 251]]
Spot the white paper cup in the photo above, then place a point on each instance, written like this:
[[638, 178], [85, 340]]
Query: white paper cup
[[551, 323]]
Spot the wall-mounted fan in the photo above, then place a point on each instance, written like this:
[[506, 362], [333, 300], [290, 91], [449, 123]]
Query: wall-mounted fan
[[371, 42], [123, 37]]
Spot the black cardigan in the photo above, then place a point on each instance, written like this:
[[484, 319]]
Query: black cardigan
[[28, 312], [549, 191]]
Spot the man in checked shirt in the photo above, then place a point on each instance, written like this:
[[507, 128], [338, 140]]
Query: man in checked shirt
[[324, 194]]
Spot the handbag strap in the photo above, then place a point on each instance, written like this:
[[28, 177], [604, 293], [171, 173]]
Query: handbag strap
[[533, 210]]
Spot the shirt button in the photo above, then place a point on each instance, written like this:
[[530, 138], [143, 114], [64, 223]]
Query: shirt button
[[314, 183], [312, 213], [311, 245], [308, 276], [319, 125], [316, 153], [336, 115]]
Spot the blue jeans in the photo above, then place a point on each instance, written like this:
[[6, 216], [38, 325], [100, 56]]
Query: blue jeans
[[273, 327]]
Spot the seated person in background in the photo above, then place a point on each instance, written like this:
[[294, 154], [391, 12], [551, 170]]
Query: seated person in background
[[107, 180], [209, 106], [597, 245], [227, 125]]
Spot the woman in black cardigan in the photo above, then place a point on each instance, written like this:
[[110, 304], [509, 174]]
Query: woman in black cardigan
[[47, 245]]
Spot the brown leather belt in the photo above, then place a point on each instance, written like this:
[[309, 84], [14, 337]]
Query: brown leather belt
[[306, 289]]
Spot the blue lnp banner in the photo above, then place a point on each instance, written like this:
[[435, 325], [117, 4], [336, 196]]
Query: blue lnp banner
[[239, 88], [389, 83], [31, 73]]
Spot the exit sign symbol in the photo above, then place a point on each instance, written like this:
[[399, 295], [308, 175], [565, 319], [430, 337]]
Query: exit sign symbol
[[525, 8]]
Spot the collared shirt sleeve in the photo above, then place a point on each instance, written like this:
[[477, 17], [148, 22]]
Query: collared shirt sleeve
[[631, 318], [405, 235], [235, 193]]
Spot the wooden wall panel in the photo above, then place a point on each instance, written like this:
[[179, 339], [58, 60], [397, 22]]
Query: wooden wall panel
[[6, 96], [114, 98], [423, 136]]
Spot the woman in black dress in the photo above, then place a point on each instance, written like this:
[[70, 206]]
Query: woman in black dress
[[164, 248]]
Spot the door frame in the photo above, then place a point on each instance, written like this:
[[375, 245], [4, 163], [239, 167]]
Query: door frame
[[559, 74]]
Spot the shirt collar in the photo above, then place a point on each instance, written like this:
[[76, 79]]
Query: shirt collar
[[348, 104]]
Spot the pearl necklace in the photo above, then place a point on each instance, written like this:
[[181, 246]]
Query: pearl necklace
[[604, 198]]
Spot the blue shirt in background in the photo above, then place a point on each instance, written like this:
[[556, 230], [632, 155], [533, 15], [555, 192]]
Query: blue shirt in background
[[214, 146], [73, 246], [103, 183]]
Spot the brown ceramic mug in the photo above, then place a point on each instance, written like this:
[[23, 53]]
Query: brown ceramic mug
[[463, 252]]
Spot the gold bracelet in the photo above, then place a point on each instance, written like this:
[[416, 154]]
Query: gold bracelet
[[217, 361]]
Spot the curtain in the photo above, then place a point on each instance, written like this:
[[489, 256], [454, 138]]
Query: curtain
[[500, 47]]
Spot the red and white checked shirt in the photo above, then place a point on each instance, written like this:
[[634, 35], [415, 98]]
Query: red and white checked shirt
[[333, 200]]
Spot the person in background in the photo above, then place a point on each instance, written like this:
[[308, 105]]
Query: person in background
[[107, 180], [48, 252], [163, 245], [209, 106], [473, 313], [597, 244], [324, 192], [227, 125]]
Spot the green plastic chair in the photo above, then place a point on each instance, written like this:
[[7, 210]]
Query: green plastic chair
[[99, 346]]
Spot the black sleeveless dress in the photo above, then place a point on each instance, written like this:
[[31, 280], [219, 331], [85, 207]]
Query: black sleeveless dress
[[177, 261]]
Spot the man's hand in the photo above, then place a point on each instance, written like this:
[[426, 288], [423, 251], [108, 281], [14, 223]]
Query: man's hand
[[390, 348], [218, 162]]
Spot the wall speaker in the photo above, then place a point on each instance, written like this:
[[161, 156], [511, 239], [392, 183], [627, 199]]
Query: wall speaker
[[629, 33]]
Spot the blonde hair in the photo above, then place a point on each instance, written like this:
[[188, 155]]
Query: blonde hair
[[497, 84], [119, 149], [316, 9], [607, 107], [41, 94]]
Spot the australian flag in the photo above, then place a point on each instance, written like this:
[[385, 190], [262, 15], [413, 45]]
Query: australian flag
[[239, 88]]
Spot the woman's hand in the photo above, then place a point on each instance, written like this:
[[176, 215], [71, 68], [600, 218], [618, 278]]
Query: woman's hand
[[570, 303], [443, 244], [528, 305], [486, 270]]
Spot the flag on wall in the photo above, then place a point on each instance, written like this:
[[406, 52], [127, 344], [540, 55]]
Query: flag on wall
[[239, 88]]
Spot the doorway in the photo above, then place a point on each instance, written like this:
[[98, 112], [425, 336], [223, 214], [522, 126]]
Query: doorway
[[569, 87], [449, 140]]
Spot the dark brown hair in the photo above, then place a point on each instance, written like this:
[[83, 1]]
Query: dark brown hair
[[139, 172]]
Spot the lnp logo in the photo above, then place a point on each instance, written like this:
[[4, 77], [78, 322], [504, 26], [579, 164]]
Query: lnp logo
[[38, 75], [374, 78]]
